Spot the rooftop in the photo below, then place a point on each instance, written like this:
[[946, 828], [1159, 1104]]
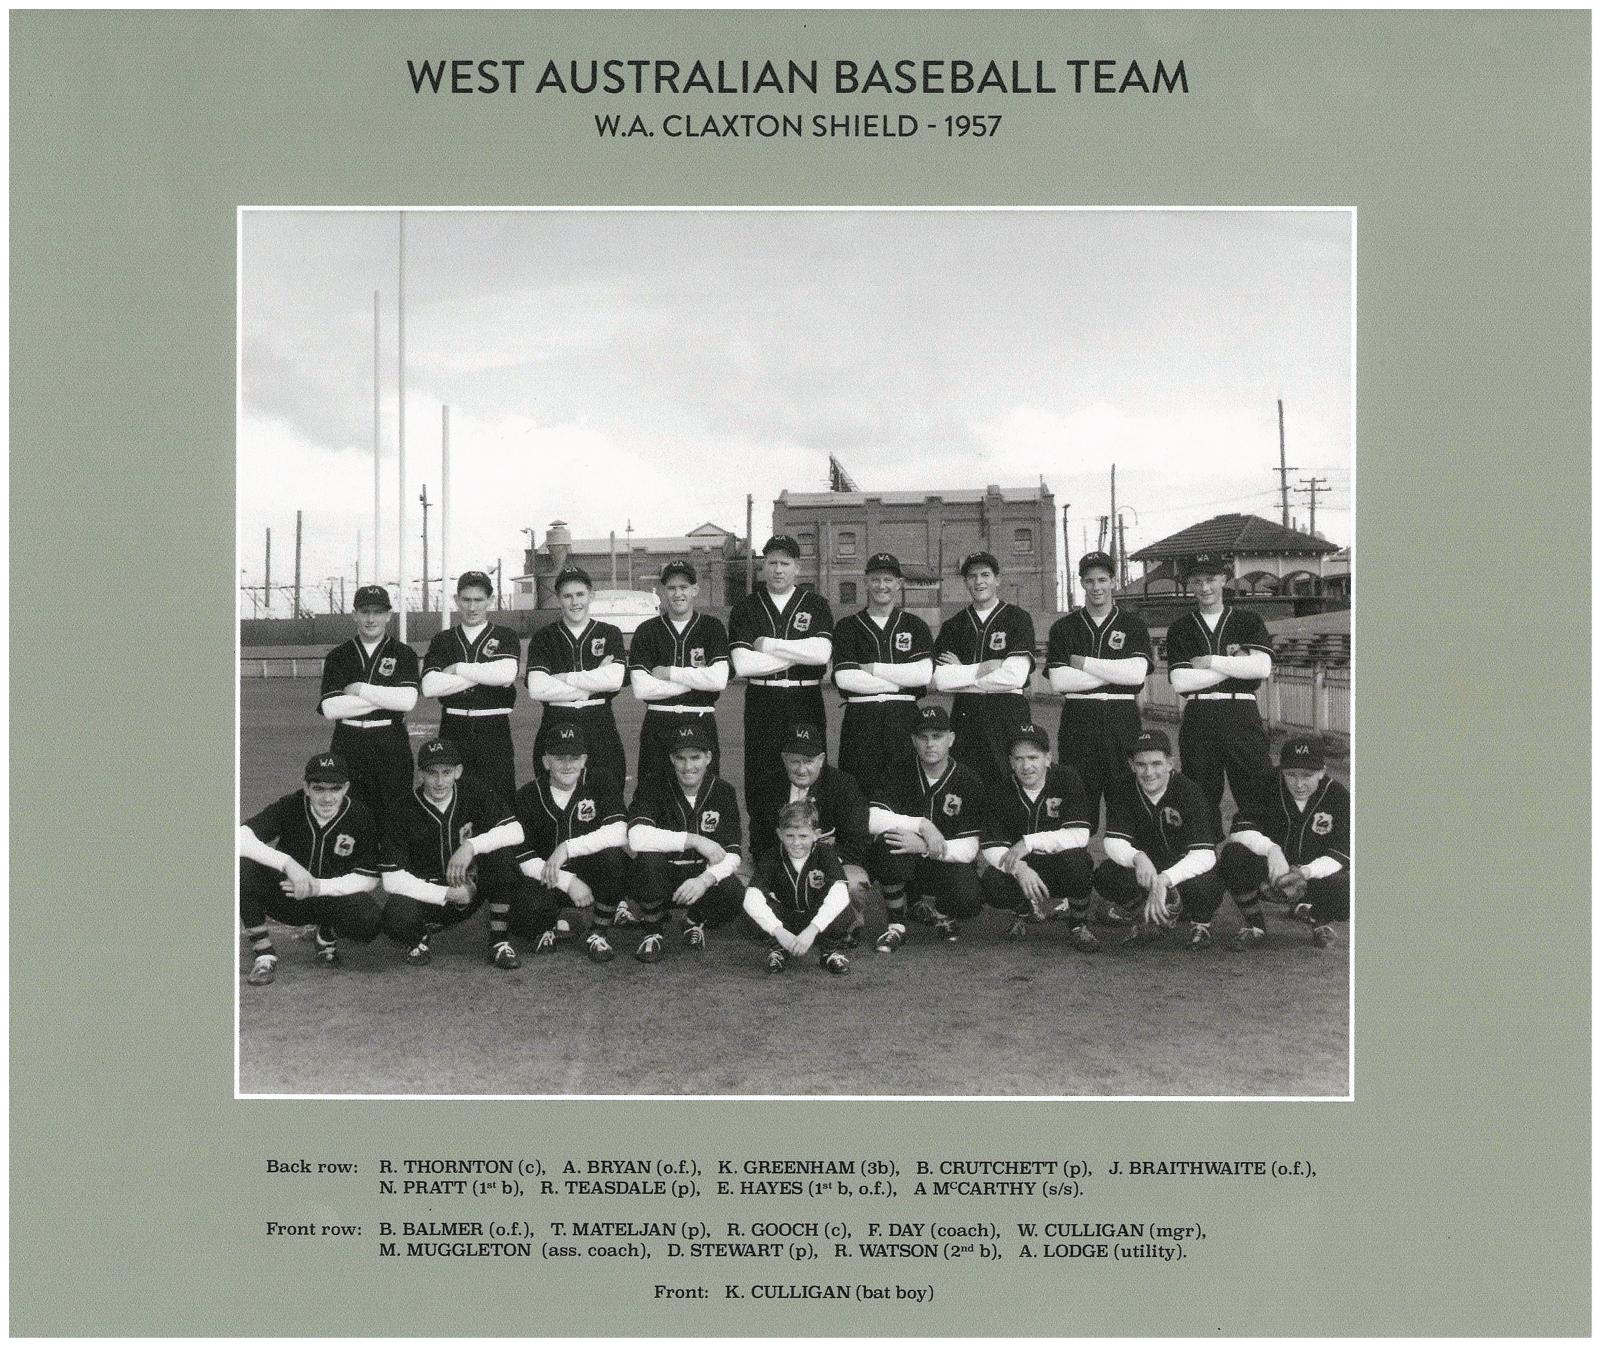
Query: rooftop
[[1236, 535], [1010, 494]]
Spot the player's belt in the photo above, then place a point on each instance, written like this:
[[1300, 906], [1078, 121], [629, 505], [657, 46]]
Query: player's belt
[[786, 682], [578, 705], [368, 724], [878, 696], [1222, 696], [1101, 696], [680, 710], [478, 714]]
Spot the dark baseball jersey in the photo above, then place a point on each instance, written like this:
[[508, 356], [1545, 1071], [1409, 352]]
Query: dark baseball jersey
[[1321, 828], [842, 810], [1166, 830], [956, 802], [390, 664], [1238, 631], [702, 643], [420, 839], [1061, 802], [798, 890], [1122, 635], [713, 812], [348, 843], [596, 801], [903, 639], [972, 639], [756, 615], [554, 649], [451, 646]]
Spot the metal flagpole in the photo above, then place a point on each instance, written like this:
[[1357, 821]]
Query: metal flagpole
[[400, 467], [377, 510], [444, 510]]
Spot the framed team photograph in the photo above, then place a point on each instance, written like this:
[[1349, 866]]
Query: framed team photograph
[[785, 653]]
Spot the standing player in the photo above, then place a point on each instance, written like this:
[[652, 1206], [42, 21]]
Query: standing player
[[311, 855], [1218, 656], [1295, 840], [686, 841], [984, 654], [798, 893], [1037, 841], [927, 819], [574, 829], [882, 662], [1160, 846], [575, 668], [1098, 658], [677, 666], [432, 842], [472, 669], [369, 683], [781, 640]]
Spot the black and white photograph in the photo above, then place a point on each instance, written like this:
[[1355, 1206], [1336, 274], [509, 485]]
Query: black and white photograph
[[783, 653]]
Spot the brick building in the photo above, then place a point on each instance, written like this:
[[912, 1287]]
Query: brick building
[[623, 562]]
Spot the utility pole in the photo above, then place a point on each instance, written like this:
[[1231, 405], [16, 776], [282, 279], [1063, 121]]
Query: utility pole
[[1104, 522], [1114, 517], [297, 563], [377, 513], [1283, 466], [613, 558], [1122, 552], [444, 509], [749, 544], [400, 421], [266, 587], [358, 558], [630, 553], [341, 591], [1312, 487], [1066, 548], [425, 507], [499, 584]]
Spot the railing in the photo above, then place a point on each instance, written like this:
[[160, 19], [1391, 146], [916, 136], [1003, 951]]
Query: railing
[[1315, 699]]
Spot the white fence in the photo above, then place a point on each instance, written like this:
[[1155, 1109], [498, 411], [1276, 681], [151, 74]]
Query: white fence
[[1316, 700]]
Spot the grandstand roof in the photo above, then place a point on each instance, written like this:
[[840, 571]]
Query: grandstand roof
[[1236, 535]]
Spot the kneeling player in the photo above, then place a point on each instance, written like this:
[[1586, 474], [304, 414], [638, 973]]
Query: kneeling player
[[1037, 841], [798, 895], [926, 819], [1160, 846], [686, 839], [1294, 840], [574, 830], [310, 856], [432, 842]]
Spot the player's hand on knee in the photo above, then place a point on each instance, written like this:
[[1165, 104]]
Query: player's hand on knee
[[455, 873], [1033, 887], [580, 893], [802, 942], [552, 866], [1014, 857], [713, 853], [901, 842], [690, 891], [1144, 871], [1277, 864], [298, 881], [1155, 906]]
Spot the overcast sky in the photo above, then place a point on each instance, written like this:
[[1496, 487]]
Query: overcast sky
[[607, 366]]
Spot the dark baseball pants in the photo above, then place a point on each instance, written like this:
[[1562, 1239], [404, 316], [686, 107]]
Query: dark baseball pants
[[1094, 739], [655, 741], [1201, 896], [656, 879], [1223, 740], [599, 733], [984, 724], [515, 902], [769, 714], [356, 916], [381, 767], [486, 751], [830, 937], [874, 740], [954, 889], [606, 875], [1243, 871], [1069, 875]]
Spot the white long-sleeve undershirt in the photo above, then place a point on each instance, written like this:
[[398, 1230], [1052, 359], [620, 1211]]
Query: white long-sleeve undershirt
[[252, 847], [1011, 676], [346, 885], [1261, 844], [547, 687], [647, 687], [760, 910], [1066, 678], [344, 705], [918, 673], [1120, 851], [1190, 865], [861, 683], [406, 884], [643, 837], [752, 664], [961, 851], [601, 839], [607, 678], [1043, 843], [533, 867], [1129, 672], [495, 673], [437, 683], [1255, 665], [811, 650], [496, 838], [712, 678]]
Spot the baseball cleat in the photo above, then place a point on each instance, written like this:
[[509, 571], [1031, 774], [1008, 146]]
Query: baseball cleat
[[327, 949], [1110, 915], [694, 936], [599, 948], [650, 949], [947, 929], [546, 942], [777, 960], [502, 955], [923, 912], [1061, 910], [1324, 936], [1200, 935], [421, 955], [1019, 928], [892, 938], [1246, 937], [1083, 938], [1302, 912], [263, 970], [836, 963]]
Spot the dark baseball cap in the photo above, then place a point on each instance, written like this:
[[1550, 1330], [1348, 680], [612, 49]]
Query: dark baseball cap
[[373, 596], [679, 568], [1031, 733], [884, 561], [327, 768], [690, 736], [979, 558], [566, 740], [470, 579], [784, 543], [931, 719], [1152, 740], [805, 739], [570, 573], [438, 752], [1096, 560], [1207, 563], [1303, 753]]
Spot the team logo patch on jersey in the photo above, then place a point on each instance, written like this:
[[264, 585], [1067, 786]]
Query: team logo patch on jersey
[[491, 645], [386, 666], [344, 845], [1118, 639], [1322, 823], [902, 642], [997, 640], [709, 820], [802, 621], [697, 658], [814, 879], [1052, 808], [1234, 649], [586, 810], [597, 646], [952, 805], [1171, 816]]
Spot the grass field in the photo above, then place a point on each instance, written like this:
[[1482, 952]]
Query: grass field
[[981, 1017]]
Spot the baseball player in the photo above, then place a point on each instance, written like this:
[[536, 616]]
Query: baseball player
[[677, 666], [841, 812], [1098, 658], [686, 840], [1294, 841], [471, 668], [432, 842], [882, 662], [1037, 839], [927, 820], [781, 641], [574, 829], [984, 654], [369, 683], [1218, 656], [575, 669], [1160, 846], [311, 856], [798, 895]]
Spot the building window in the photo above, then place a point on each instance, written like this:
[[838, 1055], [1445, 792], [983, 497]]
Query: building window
[[1022, 540], [847, 543], [808, 542], [847, 591]]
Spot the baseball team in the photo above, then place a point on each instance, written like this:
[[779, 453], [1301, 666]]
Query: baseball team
[[943, 812]]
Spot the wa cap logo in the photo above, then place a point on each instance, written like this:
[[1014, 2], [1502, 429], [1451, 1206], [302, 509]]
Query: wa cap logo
[[802, 621], [586, 810], [997, 640], [1172, 817], [709, 820], [952, 805], [902, 641], [345, 844], [325, 762], [386, 666], [1118, 638], [1322, 823]]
